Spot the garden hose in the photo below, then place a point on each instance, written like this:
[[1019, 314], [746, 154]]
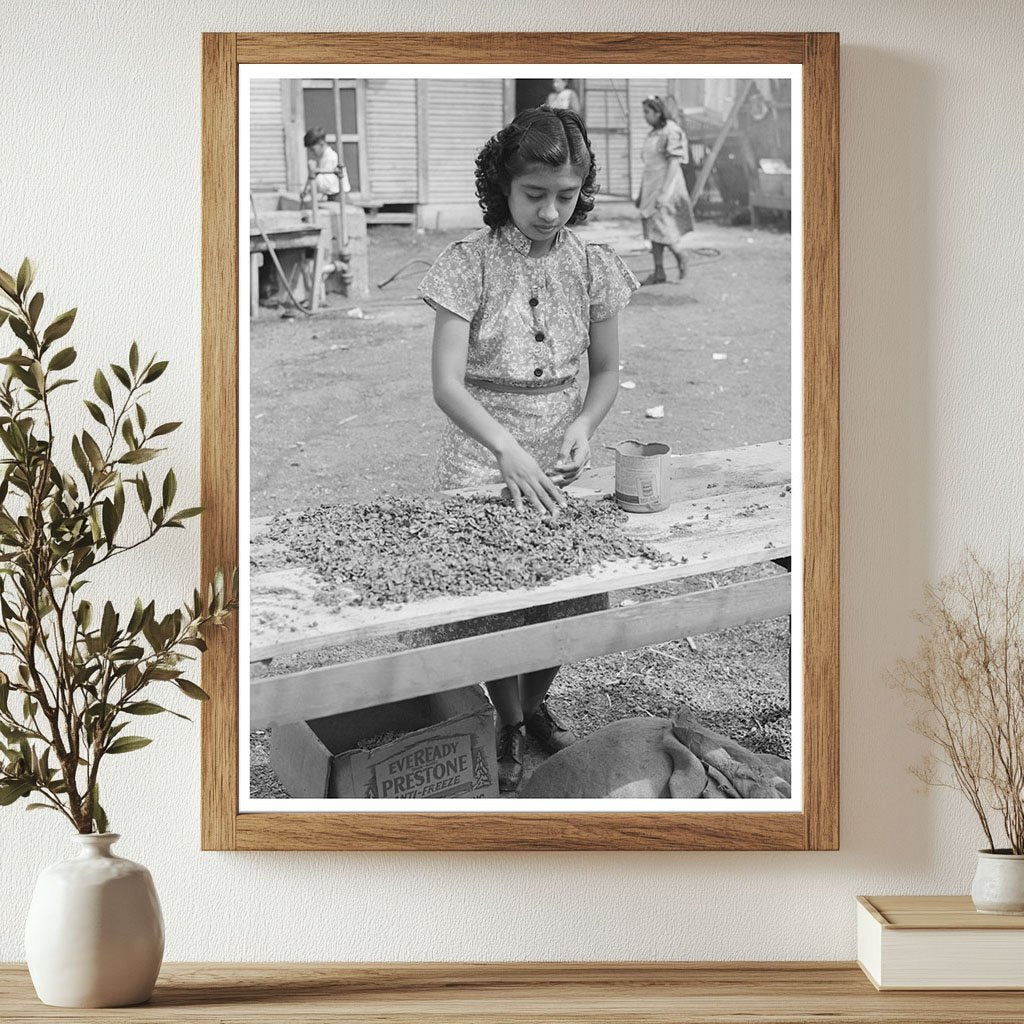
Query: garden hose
[[398, 272]]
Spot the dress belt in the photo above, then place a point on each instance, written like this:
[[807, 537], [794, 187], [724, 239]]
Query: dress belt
[[521, 389]]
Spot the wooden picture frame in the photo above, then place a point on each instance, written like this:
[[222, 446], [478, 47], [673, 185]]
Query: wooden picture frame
[[816, 825]]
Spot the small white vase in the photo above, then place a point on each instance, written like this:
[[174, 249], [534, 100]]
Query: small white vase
[[95, 933], [999, 882]]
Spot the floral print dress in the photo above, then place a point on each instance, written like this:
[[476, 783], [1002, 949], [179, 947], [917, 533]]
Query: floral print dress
[[529, 327]]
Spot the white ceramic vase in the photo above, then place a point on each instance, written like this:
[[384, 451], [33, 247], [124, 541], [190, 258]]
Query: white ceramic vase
[[95, 933], [999, 882]]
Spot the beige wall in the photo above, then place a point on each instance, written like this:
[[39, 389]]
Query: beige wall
[[932, 381]]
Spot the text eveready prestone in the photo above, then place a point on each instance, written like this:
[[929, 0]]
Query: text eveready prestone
[[430, 769]]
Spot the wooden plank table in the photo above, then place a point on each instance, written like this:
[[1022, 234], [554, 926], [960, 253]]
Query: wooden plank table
[[532, 993], [729, 509], [285, 236]]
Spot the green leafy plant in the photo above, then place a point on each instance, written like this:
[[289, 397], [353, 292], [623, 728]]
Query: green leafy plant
[[967, 682], [78, 673]]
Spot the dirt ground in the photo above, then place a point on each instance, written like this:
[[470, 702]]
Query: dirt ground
[[341, 411]]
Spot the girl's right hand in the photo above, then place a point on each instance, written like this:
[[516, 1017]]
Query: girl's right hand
[[526, 482]]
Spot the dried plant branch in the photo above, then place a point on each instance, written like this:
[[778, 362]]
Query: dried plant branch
[[966, 682]]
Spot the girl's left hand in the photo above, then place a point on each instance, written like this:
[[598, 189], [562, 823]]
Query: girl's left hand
[[574, 455]]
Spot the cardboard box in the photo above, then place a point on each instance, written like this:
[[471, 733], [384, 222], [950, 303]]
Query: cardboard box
[[447, 749]]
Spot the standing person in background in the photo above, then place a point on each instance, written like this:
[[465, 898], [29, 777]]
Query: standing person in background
[[664, 202], [562, 97]]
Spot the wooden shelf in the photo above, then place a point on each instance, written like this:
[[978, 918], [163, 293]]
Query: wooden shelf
[[630, 993]]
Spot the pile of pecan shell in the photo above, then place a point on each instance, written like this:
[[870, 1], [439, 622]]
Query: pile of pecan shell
[[401, 549]]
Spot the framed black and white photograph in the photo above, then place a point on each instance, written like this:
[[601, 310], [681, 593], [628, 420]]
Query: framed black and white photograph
[[531, 476]]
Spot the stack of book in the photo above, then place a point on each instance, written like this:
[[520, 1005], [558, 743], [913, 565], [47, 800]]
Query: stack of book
[[938, 942]]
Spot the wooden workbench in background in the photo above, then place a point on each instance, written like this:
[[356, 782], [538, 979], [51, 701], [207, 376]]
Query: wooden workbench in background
[[780, 993]]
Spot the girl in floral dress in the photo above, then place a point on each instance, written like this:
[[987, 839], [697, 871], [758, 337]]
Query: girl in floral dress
[[518, 303]]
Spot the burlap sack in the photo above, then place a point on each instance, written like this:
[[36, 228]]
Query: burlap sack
[[657, 758]]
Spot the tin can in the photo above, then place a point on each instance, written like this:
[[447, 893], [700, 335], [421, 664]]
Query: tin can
[[642, 476]]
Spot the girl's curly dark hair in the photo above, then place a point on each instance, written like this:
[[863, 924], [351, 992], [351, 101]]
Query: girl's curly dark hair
[[539, 135]]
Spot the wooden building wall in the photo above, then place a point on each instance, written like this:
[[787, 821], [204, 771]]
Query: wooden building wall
[[420, 138], [461, 115], [390, 139], [606, 109], [267, 167]]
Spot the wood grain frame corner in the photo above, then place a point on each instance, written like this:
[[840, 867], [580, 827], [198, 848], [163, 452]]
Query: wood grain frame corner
[[817, 827]]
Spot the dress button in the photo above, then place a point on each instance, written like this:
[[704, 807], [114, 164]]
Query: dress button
[[534, 300], [539, 336], [538, 372]]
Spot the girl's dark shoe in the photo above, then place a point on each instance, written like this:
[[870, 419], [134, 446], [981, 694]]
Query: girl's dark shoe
[[658, 277], [550, 731], [511, 744]]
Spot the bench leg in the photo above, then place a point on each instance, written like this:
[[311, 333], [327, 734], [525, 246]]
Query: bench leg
[[314, 293], [255, 262]]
